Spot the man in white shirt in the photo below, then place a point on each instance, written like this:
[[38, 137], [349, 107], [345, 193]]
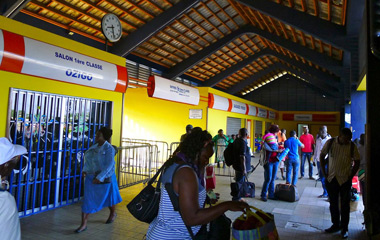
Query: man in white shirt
[[9, 220], [343, 163], [320, 141]]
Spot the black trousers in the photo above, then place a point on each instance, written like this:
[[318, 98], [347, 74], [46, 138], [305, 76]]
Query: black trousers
[[339, 217]]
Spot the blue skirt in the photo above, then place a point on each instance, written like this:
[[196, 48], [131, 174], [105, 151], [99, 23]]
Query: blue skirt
[[99, 196]]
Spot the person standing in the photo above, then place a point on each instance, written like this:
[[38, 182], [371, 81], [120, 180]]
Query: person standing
[[281, 138], [270, 168], [185, 173], [100, 187], [308, 140], [320, 141], [293, 162], [9, 158], [189, 127], [343, 163], [220, 144], [242, 164]]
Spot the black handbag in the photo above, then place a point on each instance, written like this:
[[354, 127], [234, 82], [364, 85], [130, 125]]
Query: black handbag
[[145, 205], [243, 189]]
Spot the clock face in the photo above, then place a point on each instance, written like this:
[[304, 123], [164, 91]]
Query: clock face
[[111, 27]]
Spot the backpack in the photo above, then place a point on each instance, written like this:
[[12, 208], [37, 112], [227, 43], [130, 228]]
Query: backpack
[[228, 153], [262, 156]]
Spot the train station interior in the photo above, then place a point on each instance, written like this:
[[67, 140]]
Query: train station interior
[[148, 68]]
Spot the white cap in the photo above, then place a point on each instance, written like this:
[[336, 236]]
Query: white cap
[[9, 150]]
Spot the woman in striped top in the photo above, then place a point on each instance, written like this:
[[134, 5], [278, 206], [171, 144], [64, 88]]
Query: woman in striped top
[[186, 173]]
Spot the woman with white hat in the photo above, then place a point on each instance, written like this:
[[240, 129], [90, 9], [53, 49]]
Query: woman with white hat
[[9, 158]]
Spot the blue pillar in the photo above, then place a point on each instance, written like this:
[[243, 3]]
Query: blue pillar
[[347, 116], [358, 113]]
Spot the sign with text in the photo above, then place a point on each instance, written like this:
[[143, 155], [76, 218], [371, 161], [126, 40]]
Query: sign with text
[[262, 113], [166, 89], [28, 56], [226, 104], [272, 115], [195, 113], [238, 107]]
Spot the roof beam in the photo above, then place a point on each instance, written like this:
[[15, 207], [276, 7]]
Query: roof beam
[[287, 76], [326, 31], [327, 89], [133, 40], [314, 56], [14, 7], [327, 78], [198, 57]]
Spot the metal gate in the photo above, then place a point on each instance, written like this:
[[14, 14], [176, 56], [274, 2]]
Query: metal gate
[[56, 130]]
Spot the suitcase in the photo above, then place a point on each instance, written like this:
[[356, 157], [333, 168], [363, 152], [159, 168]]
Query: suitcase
[[286, 192], [210, 177]]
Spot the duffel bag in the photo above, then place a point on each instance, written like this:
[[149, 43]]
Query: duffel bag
[[286, 192], [243, 189]]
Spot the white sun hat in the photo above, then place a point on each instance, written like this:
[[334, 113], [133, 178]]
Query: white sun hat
[[9, 150]]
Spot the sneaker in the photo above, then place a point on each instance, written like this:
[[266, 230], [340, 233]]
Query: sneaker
[[300, 177], [344, 233], [312, 178], [333, 229], [263, 199]]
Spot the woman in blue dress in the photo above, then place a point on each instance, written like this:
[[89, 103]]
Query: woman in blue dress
[[185, 172], [100, 187]]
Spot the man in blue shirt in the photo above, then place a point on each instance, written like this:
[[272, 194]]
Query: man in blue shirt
[[293, 162]]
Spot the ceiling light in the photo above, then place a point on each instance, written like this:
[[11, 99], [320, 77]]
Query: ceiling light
[[243, 93], [271, 79], [256, 87], [251, 89], [259, 85], [280, 75], [263, 83], [267, 81], [284, 72]]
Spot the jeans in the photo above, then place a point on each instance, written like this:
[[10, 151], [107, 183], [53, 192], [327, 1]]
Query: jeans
[[292, 165], [270, 171], [322, 177], [239, 176], [339, 217], [305, 155]]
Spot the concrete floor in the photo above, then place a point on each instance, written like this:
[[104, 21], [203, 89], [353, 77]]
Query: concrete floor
[[304, 219]]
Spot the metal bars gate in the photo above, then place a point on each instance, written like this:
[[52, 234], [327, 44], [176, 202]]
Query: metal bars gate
[[56, 130], [137, 163]]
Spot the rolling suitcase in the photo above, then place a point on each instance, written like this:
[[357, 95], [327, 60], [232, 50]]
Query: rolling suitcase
[[286, 192]]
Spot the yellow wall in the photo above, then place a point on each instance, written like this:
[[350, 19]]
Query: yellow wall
[[12, 80], [332, 127], [157, 119]]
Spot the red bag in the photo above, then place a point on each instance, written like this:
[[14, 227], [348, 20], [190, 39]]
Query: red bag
[[210, 177]]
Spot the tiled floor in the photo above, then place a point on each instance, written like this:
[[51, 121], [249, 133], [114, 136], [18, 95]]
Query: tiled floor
[[304, 219]]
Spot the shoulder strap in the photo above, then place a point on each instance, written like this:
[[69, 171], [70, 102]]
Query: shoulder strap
[[174, 198], [153, 179]]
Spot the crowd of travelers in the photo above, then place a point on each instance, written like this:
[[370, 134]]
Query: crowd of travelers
[[338, 160]]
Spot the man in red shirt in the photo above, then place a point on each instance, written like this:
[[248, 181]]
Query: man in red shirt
[[308, 140]]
